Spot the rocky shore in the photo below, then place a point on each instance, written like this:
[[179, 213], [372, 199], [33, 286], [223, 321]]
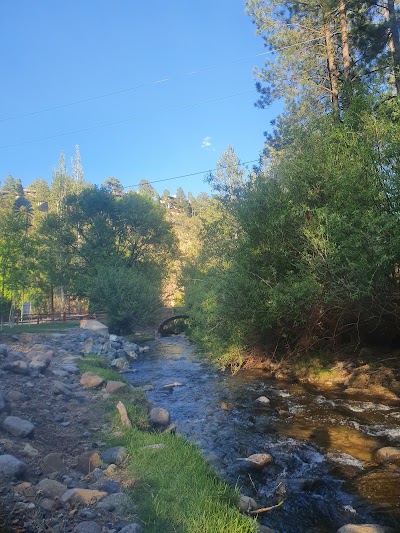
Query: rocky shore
[[52, 475]]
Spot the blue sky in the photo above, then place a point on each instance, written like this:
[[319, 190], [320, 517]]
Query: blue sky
[[55, 53]]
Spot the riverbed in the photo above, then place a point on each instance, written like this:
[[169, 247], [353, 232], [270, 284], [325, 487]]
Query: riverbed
[[323, 474]]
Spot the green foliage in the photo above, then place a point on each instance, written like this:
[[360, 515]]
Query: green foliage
[[315, 257], [128, 296], [100, 367]]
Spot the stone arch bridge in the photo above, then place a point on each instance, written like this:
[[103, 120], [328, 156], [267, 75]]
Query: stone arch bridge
[[168, 314]]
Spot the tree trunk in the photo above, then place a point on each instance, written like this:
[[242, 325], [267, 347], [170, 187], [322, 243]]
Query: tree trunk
[[332, 69], [52, 303], [394, 41], [345, 40]]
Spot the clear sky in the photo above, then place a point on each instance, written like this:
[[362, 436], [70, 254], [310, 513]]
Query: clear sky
[[56, 53]]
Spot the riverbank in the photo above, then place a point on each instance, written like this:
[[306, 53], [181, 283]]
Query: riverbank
[[68, 464], [369, 373]]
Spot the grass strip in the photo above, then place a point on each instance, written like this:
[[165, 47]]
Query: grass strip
[[175, 489], [47, 327]]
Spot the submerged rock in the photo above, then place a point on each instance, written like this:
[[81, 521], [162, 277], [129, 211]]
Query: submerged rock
[[366, 528], [246, 504], [388, 454], [258, 460]]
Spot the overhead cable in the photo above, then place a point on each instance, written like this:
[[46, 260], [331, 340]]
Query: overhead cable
[[154, 82]]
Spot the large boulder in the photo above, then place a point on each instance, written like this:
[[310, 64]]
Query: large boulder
[[11, 467], [18, 426], [94, 325]]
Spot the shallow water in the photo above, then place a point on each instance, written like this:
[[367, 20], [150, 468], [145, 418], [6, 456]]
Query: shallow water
[[323, 446]]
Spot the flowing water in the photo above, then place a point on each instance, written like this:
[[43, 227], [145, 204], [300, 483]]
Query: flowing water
[[322, 445]]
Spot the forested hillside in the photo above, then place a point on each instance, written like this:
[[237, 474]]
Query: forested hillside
[[302, 252]]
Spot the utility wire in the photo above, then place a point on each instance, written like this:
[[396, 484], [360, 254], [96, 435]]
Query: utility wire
[[193, 174], [134, 117], [155, 82]]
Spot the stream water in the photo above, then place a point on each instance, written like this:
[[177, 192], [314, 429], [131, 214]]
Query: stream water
[[322, 445]]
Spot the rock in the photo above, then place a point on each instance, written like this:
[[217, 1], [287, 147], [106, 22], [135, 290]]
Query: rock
[[3, 350], [25, 489], [120, 363], [159, 416], [113, 387], [116, 455], [11, 467], [91, 380], [119, 502], [172, 385], [159, 446], [69, 368], [87, 527], [30, 451], [246, 504], [111, 487], [88, 346], [171, 429], [4, 405], [51, 488], [53, 462], [85, 496], [388, 454], [47, 504], [16, 396], [365, 528], [131, 528], [94, 325], [17, 367], [113, 338], [38, 366], [88, 461], [147, 388], [258, 460], [18, 426], [264, 529], [263, 400], [62, 388]]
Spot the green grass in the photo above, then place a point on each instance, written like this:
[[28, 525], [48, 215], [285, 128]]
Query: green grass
[[48, 327], [175, 489], [100, 366]]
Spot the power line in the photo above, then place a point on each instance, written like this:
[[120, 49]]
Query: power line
[[135, 117], [155, 82], [192, 174]]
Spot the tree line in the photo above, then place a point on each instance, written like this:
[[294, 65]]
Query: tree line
[[75, 241]]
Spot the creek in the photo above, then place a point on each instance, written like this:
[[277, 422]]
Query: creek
[[322, 444]]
